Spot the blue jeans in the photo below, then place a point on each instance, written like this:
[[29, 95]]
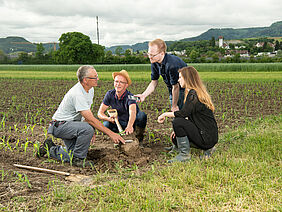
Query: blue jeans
[[180, 99], [141, 121], [76, 136]]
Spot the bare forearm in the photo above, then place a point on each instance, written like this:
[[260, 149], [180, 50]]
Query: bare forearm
[[103, 116], [132, 118], [168, 114], [175, 94], [99, 126], [90, 119], [101, 112], [150, 89]]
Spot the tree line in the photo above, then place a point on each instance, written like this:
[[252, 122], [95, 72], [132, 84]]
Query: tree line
[[77, 48]]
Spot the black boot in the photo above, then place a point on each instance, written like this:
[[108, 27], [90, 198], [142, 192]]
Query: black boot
[[184, 150], [82, 163], [207, 153], [174, 148], [139, 132], [47, 144]]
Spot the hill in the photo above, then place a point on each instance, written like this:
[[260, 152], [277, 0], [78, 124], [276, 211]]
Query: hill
[[275, 30], [15, 44]]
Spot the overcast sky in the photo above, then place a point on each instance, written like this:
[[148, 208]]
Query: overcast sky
[[131, 21]]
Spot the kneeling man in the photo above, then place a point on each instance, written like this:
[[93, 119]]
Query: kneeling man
[[75, 123]]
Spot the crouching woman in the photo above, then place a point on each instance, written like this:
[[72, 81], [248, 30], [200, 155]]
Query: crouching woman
[[194, 125]]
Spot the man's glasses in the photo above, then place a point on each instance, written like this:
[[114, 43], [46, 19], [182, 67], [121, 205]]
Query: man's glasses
[[152, 55], [121, 82], [95, 78]]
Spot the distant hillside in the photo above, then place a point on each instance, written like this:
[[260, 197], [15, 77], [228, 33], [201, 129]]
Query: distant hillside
[[135, 47], [15, 44], [275, 30]]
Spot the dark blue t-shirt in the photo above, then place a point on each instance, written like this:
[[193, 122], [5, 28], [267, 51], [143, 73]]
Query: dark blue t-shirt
[[168, 69], [122, 104]]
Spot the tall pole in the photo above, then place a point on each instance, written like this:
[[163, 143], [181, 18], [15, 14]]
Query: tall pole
[[97, 30]]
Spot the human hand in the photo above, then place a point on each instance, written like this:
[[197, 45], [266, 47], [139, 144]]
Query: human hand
[[128, 130], [175, 108], [141, 96], [172, 135], [111, 119], [117, 138], [161, 118]]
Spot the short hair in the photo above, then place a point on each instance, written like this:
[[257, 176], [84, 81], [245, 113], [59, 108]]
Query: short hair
[[83, 71], [159, 43]]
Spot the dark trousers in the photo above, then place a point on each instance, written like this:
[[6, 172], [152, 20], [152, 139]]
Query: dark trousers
[[76, 136], [183, 127]]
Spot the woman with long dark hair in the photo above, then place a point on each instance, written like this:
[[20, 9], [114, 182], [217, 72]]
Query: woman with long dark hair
[[195, 123]]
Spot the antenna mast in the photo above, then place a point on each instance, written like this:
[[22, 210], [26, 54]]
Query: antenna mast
[[97, 29]]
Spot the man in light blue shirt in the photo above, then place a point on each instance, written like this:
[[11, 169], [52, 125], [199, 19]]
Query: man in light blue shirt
[[75, 123]]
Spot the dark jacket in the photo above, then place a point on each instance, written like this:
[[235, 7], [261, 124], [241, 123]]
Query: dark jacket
[[202, 117]]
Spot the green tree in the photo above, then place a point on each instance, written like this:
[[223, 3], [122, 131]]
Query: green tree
[[23, 57], [75, 48], [127, 53], [236, 58], [118, 51], [39, 51], [279, 53], [215, 58], [2, 55], [277, 45], [194, 55], [98, 53], [212, 42]]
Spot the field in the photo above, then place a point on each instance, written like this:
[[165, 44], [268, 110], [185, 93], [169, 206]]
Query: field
[[243, 174]]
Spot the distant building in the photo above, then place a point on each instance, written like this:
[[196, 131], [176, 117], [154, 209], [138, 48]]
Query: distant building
[[177, 52], [220, 42], [259, 44], [243, 53]]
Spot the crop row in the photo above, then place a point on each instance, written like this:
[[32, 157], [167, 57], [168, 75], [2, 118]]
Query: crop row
[[33, 102], [145, 76]]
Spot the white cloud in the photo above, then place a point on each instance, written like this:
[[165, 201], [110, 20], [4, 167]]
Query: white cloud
[[129, 22]]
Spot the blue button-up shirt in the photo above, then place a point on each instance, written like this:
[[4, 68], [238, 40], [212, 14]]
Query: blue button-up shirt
[[168, 69], [121, 105]]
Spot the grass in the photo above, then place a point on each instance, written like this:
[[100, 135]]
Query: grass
[[244, 174], [146, 76], [201, 67]]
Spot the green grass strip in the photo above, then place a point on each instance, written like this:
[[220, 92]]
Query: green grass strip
[[146, 76], [201, 67]]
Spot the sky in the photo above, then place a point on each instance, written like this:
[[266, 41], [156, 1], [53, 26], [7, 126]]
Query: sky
[[124, 22]]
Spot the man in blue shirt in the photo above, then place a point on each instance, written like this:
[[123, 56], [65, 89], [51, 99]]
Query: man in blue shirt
[[129, 115], [167, 66]]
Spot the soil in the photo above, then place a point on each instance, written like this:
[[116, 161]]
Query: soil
[[26, 123]]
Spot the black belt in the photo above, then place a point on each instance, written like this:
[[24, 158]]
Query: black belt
[[57, 123]]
